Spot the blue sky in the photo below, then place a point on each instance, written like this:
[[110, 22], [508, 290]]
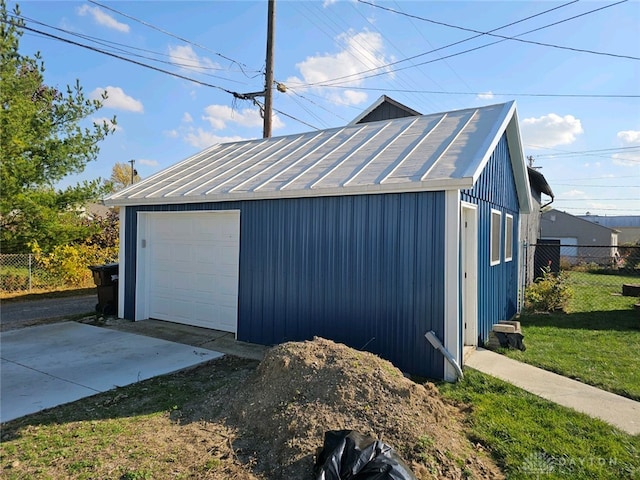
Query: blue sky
[[578, 96]]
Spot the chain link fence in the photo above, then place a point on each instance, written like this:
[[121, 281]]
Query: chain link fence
[[607, 266], [21, 273], [24, 273]]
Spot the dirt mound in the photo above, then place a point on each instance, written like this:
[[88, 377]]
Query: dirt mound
[[303, 389]]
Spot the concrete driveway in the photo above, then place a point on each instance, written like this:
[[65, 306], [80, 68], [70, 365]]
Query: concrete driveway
[[49, 365]]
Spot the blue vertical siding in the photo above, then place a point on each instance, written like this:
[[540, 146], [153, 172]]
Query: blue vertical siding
[[497, 285], [365, 270]]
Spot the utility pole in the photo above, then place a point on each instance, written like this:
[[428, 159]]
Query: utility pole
[[132, 162], [268, 81]]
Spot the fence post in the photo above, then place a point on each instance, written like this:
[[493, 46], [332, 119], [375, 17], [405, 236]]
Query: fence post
[[30, 273]]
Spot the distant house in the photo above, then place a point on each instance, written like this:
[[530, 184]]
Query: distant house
[[628, 226], [372, 234], [581, 241]]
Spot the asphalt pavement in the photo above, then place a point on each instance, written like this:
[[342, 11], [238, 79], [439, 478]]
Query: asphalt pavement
[[21, 314]]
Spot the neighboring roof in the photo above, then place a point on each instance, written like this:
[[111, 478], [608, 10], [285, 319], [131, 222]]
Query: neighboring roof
[[616, 221], [443, 151], [385, 108], [538, 182], [553, 215], [94, 210]]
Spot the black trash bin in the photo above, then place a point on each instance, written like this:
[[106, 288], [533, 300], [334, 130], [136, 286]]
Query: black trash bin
[[106, 280]]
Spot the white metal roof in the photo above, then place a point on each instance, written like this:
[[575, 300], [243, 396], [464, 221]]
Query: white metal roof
[[430, 152]]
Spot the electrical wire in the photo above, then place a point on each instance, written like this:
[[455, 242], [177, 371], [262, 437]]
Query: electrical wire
[[112, 49], [567, 95], [151, 67], [116, 45], [296, 119], [360, 74], [182, 39], [515, 38], [566, 152], [119, 57]]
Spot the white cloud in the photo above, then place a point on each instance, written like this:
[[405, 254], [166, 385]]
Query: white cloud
[[202, 139], [219, 116], [171, 133], [150, 163], [485, 96], [186, 58], [628, 138], [103, 18], [360, 51], [574, 193], [326, 3], [117, 99], [187, 118], [550, 130], [108, 121]]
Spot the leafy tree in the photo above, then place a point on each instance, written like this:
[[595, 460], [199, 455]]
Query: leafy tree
[[121, 176], [41, 143]]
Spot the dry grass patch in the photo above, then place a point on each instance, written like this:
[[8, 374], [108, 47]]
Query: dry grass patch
[[229, 419]]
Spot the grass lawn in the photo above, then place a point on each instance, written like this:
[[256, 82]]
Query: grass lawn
[[596, 342], [150, 431], [533, 438]]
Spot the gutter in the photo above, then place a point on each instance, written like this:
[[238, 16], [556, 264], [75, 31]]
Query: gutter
[[437, 344]]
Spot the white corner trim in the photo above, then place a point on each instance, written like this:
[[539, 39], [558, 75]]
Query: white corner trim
[[451, 281], [121, 261]]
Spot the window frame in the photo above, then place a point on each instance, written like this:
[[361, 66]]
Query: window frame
[[495, 257], [508, 237]]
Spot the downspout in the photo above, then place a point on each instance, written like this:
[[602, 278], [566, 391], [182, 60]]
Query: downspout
[[437, 344], [547, 204]]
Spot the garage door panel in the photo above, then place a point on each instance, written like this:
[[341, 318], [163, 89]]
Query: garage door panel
[[193, 268]]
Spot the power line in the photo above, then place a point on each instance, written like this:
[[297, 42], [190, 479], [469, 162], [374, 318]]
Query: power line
[[296, 119], [608, 209], [511, 38], [115, 45], [591, 199], [569, 95], [447, 46], [566, 152], [119, 57], [182, 39], [107, 43], [151, 67], [458, 42], [593, 186]]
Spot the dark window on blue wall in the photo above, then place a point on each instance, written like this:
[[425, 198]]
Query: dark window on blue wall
[[496, 237], [508, 237]]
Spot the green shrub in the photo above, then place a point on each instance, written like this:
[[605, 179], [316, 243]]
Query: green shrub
[[69, 264], [549, 293]]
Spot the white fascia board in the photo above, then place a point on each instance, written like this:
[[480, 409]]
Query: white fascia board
[[452, 330], [121, 261], [427, 186], [518, 164]]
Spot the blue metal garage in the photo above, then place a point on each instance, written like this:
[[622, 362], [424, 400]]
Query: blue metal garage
[[371, 234]]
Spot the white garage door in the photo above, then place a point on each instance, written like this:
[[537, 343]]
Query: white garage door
[[192, 268]]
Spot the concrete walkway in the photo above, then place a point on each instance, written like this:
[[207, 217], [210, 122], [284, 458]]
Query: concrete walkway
[[616, 410]]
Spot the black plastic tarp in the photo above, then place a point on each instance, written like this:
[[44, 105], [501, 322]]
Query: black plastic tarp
[[349, 455]]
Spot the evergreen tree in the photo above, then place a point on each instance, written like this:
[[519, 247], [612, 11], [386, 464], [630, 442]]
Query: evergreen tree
[[41, 143]]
